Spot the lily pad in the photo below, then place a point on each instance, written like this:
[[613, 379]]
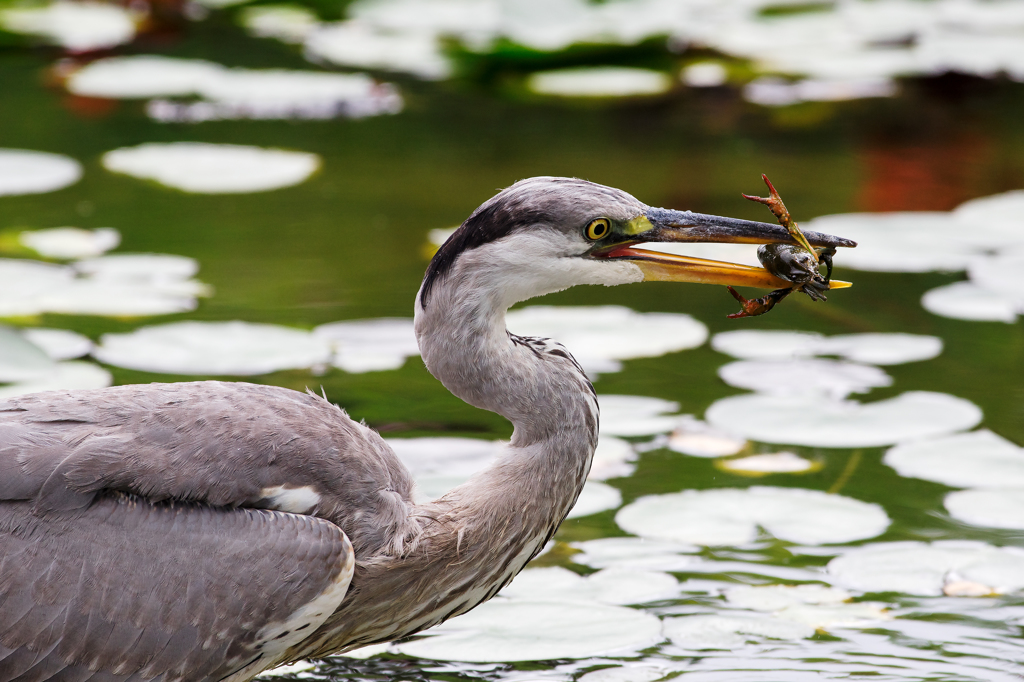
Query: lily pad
[[807, 420], [29, 172], [701, 632], [79, 26], [213, 168], [64, 376], [768, 463], [70, 242], [20, 359], [872, 349], [995, 508], [810, 377], [287, 23], [699, 439], [979, 459], [640, 554], [923, 569], [595, 498], [357, 44], [370, 345], [609, 586], [778, 597], [730, 516], [599, 337], [968, 301], [633, 415], [600, 81], [59, 344], [213, 348], [526, 630]]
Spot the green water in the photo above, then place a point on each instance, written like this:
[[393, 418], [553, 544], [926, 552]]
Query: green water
[[349, 244]]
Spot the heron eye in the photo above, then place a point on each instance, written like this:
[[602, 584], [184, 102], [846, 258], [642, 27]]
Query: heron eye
[[597, 229]]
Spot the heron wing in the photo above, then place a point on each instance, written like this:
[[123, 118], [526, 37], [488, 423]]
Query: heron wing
[[129, 590], [224, 444]]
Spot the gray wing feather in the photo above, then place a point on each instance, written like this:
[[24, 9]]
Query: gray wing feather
[[129, 590], [213, 442]]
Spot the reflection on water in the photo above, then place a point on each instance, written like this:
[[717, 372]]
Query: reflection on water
[[899, 523]]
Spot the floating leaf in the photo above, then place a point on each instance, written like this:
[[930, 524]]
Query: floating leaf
[[70, 242], [806, 420], [968, 301], [635, 554], [730, 516], [805, 377], [600, 81], [370, 345], [213, 168], [71, 375], [702, 632], [600, 336], [979, 459], [699, 439], [29, 172], [595, 498], [773, 463], [610, 586], [59, 344], [80, 26], [525, 630], [213, 348], [996, 508], [923, 569], [873, 349], [633, 415]]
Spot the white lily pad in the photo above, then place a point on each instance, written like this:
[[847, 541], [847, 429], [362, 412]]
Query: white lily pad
[[807, 420], [871, 348], [31, 287], [979, 459], [730, 516], [968, 301], [142, 76], [627, 673], [768, 463], [1002, 274], [526, 630], [699, 439], [995, 508], [370, 345], [923, 569], [634, 415], [71, 375], [804, 377], [639, 554], [600, 336], [614, 458], [29, 172], [139, 267], [20, 359], [287, 23], [595, 498], [778, 597], [357, 44], [609, 586], [999, 215], [70, 242], [777, 92], [59, 344], [213, 348], [600, 81], [705, 75], [213, 168], [701, 632], [79, 26]]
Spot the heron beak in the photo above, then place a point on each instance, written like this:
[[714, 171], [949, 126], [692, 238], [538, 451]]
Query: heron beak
[[665, 225]]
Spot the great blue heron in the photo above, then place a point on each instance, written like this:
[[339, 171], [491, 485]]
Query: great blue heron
[[208, 531]]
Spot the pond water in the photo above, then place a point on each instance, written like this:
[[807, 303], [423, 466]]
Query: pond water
[[911, 559]]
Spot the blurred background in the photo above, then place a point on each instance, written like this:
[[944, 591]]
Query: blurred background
[[227, 189]]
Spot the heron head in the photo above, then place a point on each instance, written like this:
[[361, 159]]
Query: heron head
[[545, 234]]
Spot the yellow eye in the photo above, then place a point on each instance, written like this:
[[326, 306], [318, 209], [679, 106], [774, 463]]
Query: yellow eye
[[598, 229]]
